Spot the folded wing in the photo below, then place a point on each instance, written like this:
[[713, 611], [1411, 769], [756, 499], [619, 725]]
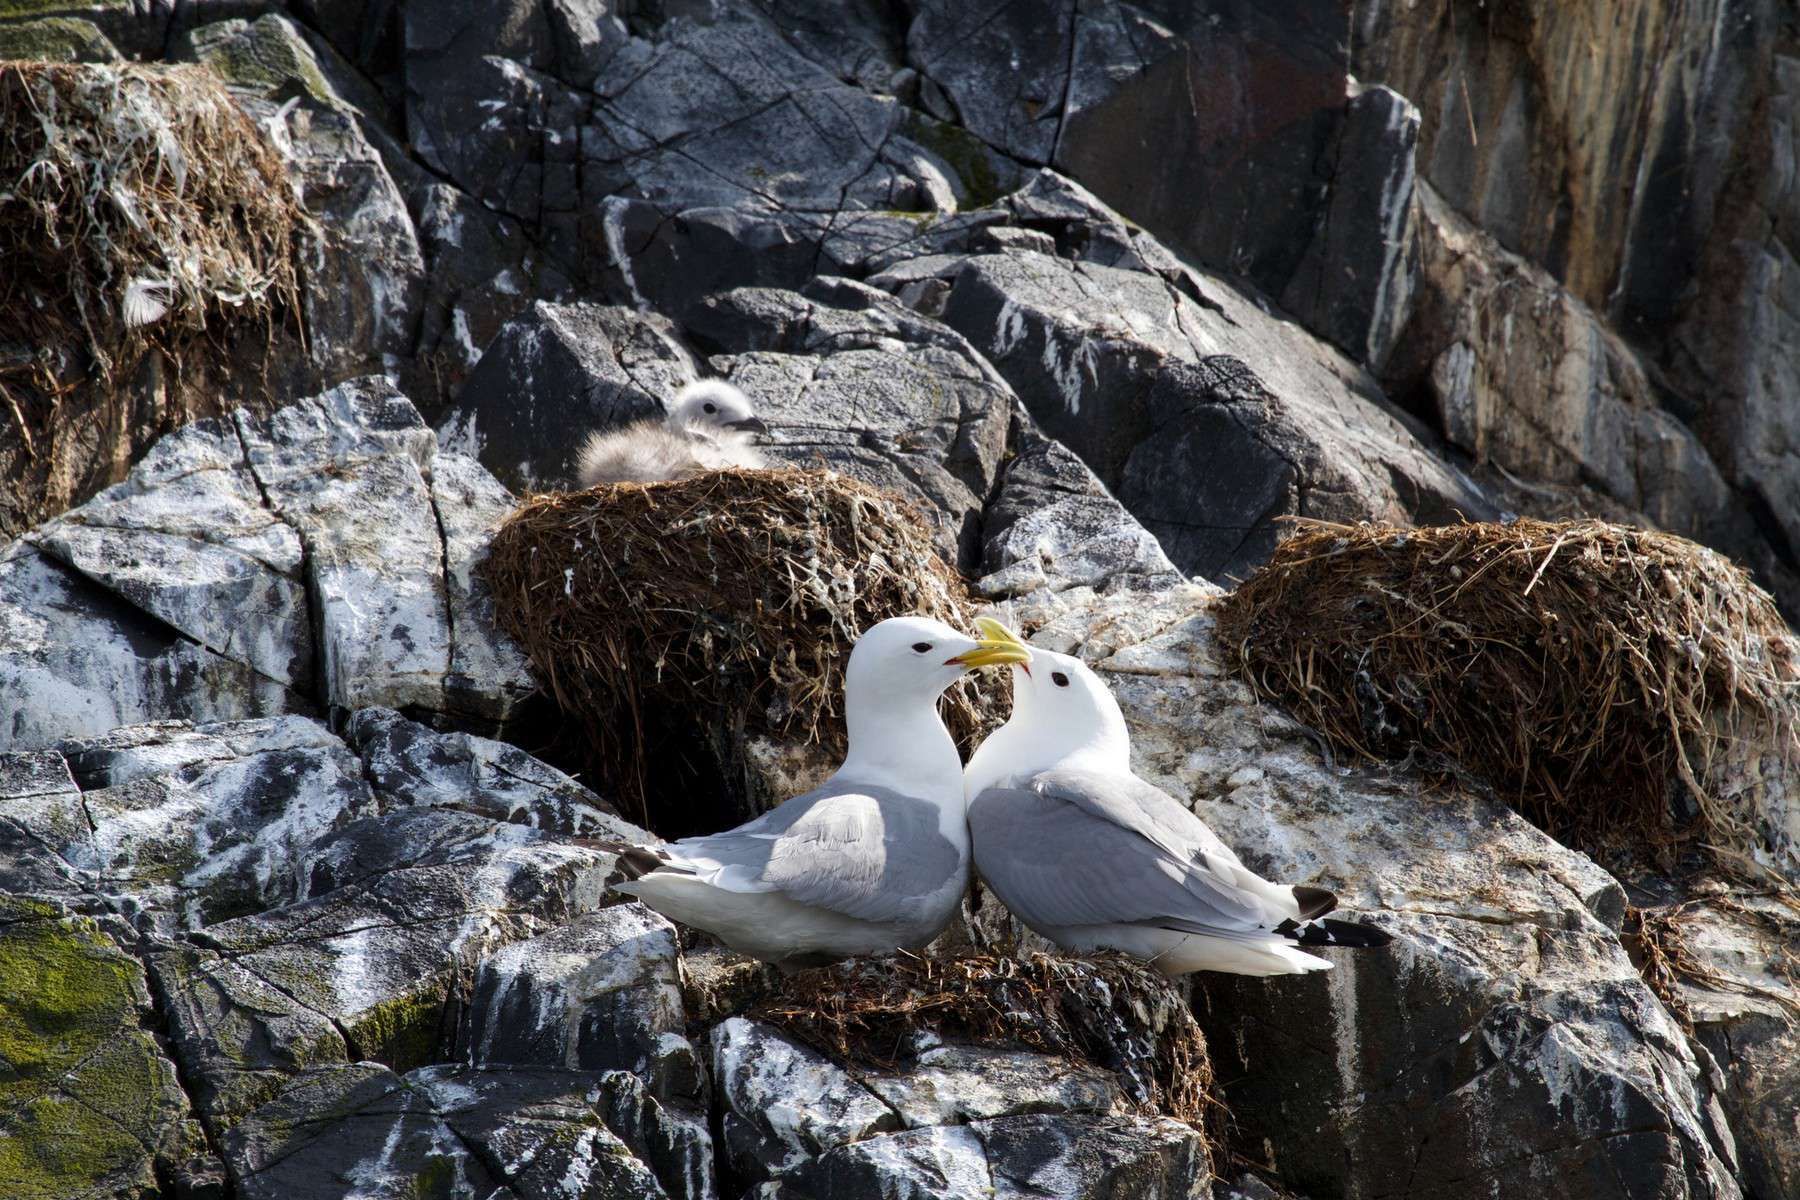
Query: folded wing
[[1076, 848], [868, 853]]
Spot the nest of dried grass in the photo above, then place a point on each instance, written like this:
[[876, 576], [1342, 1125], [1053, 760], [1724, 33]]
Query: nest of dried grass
[[140, 210], [1108, 1009], [730, 600], [1627, 690], [137, 202], [1659, 943]]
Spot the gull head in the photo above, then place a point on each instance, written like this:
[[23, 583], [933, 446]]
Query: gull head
[[714, 406], [906, 658], [1063, 715]]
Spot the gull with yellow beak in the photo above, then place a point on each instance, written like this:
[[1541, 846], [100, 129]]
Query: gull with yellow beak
[[1094, 858], [874, 860]]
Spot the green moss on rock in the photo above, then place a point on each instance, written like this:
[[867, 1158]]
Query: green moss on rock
[[437, 1179], [25, 10], [401, 1033], [971, 158], [64, 990], [86, 1099], [265, 54], [57, 39]]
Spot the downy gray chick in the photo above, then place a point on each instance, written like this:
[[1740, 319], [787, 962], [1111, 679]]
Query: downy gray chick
[[708, 428]]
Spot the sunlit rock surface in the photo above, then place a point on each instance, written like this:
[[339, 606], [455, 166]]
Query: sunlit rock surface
[[1108, 291]]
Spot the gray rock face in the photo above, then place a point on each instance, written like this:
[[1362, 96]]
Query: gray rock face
[[957, 1121], [77, 659], [719, 113], [849, 380], [188, 540], [475, 775], [1151, 384], [1014, 1157], [950, 1084], [463, 1132], [294, 910], [1690, 259], [1053, 526], [599, 994], [1746, 1017], [379, 448], [482, 269], [1524, 377], [1355, 284], [784, 1104], [1296, 171], [319, 557], [366, 271]]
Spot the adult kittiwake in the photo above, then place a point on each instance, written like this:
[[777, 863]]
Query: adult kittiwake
[[708, 428], [874, 860], [1093, 858]]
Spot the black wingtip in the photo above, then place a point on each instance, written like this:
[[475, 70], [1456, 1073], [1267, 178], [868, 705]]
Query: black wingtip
[[1339, 933], [1314, 902], [634, 862]]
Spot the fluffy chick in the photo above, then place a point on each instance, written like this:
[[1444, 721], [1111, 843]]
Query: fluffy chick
[[708, 428]]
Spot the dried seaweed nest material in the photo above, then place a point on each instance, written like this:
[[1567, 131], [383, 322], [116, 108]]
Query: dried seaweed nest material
[[139, 206], [1108, 1009], [1662, 942], [1628, 690], [733, 596]]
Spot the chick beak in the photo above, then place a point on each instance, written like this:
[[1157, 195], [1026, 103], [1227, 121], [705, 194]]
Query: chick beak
[[749, 425], [996, 646]]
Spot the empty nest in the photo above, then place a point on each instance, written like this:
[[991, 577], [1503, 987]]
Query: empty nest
[[140, 211], [729, 600], [1108, 1009], [1627, 690]]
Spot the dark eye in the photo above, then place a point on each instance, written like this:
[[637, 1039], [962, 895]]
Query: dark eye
[[1059, 679], [712, 408], [922, 647]]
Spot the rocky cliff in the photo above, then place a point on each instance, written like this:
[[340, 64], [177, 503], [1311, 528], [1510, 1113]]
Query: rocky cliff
[[291, 908]]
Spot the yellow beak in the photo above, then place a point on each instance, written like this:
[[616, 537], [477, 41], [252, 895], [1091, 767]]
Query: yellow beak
[[997, 646]]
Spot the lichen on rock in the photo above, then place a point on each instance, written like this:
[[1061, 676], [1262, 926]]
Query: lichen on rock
[[87, 1099]]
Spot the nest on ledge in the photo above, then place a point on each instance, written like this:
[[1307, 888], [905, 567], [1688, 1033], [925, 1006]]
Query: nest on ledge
[[142, 214], [1107, 1009], [1629, 691], [730, 599]]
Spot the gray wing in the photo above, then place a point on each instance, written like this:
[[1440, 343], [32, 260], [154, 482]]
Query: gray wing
[[869, 853], [1141, 807], [1079, 848]]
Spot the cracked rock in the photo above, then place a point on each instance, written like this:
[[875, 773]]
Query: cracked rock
[[249, 566], [784, 1104], [600, 994], [1150, 383], [78, 659], [457, 1131], [410, 764], [1306, 183]]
